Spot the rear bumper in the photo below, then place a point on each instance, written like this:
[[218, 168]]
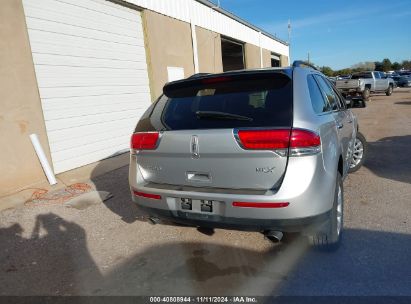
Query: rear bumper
[[350, 90], [305, 225], [308, 187]]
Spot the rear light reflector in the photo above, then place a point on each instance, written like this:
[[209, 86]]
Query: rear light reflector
[[260, 205], [303, 138], [144, 141], [147, 195], [264, 139]]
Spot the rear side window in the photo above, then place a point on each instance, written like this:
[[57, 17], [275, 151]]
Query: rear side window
[[320, 105], [250, 100], [328, 92]]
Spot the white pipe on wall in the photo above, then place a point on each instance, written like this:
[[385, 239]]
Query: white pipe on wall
[[43, 159], [195, 49]]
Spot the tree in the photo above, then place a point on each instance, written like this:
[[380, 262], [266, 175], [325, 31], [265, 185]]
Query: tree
[[327, 71], [386, 65], [396, 66], [343, 72], [378, 66], [364, 66], [406, 64]]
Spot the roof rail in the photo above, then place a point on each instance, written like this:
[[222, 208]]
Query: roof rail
[[301, 63]]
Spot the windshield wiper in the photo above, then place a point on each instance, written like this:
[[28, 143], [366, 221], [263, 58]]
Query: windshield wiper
[[221, 115]]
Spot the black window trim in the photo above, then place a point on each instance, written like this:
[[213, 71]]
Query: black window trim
[[322, 94], [335, 92], [343, 105]]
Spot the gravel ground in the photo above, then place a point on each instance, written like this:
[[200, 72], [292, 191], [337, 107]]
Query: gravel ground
[[107, 249]]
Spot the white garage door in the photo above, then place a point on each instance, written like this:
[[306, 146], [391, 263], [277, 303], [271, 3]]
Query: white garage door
[[91, 70]]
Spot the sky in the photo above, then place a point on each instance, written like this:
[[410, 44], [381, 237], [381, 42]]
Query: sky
[[337, 34]]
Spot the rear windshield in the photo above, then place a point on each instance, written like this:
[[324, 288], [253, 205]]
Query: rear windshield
[[362, 75], [225, 102]]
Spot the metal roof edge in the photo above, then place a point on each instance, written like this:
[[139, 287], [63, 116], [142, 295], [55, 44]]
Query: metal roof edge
[[232, 16]]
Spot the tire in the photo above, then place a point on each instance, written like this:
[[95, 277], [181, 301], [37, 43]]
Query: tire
[[359, 153], [330, 239], [366, 93], [389, 90]]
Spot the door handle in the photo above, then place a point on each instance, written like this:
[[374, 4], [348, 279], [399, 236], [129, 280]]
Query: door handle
[[340, 125], [198, 176]]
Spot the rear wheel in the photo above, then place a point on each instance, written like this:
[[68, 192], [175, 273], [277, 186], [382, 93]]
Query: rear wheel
[[366, 93], [389, 90], [359, 152], [330, 239]]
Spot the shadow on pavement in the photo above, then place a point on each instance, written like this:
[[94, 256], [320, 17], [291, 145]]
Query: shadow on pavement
[[368, 262], [403, 102], [53, 261], [389, 158]]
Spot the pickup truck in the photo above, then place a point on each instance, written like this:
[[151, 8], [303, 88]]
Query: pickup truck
[[365, 83]]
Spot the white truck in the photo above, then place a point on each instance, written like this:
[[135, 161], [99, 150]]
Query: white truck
[[365, 83]]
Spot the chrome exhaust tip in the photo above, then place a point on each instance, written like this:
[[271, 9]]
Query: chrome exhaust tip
[[273, 235], [153, 220]]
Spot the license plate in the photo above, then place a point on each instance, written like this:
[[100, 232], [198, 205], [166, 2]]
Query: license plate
[[194, 205]]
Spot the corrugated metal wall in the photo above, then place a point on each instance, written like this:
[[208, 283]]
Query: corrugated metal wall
[[91, 70]]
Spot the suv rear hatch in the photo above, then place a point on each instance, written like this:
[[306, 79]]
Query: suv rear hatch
[[221, 131]]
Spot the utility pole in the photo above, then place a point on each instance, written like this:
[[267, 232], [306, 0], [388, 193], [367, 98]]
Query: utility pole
[[289, 40]]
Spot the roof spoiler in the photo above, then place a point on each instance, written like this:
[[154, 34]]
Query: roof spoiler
[[198, 75], [303, 64]]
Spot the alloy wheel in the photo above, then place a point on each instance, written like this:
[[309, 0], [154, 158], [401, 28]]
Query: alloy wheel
[[358, 153]]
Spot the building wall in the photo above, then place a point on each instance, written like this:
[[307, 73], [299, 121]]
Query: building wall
[[213, 20], [168, 43], [209, 51], [266, 58], [284, 61], [252, 56], [21, 112]]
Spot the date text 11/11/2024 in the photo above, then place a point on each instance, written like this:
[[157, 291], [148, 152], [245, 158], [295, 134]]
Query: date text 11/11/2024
[[199, 299]]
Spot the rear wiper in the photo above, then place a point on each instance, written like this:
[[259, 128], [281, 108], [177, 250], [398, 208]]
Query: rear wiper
[[221, 115]]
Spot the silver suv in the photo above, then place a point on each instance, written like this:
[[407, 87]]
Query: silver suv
[[262, 150]]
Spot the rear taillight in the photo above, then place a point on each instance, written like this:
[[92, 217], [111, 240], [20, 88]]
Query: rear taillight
[[304, 142], [264, 139], [304, 138], [299, 142], [144, 141]]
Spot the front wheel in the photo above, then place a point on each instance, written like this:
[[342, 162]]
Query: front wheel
[[389, 90], [330, 239], [359, 152], [366, 94]]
